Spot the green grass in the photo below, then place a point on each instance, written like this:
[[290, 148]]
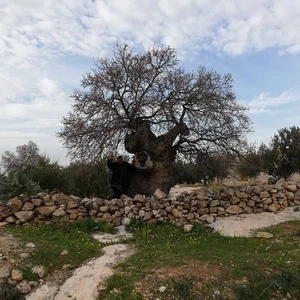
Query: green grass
[[194, 265], [266, 265], [51, 240]]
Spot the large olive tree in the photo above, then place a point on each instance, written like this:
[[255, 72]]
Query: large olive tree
[[146, 102]]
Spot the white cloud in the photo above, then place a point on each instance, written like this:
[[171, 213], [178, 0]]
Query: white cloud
[[35, 33], [264, 103]]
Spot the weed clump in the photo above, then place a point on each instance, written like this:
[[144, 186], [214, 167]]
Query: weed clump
[[9, 292]]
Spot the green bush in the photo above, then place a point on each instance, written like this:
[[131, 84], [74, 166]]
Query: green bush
[[9, 292], [17, 183]]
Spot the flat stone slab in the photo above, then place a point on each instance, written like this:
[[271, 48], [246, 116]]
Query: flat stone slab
[[245, 224], [122, 234], [85, 282]]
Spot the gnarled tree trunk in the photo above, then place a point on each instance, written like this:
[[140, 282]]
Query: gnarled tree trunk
[[161, 152]]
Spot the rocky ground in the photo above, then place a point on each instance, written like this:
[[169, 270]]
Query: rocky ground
[[86, 281]]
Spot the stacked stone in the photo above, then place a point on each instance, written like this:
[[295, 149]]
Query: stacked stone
[[201, 205]]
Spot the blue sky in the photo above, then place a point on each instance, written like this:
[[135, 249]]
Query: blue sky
[[46, 46]]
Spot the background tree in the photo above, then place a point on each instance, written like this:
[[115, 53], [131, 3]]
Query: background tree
[[282, 157], [146, 102], [26, 155], [251, 162]]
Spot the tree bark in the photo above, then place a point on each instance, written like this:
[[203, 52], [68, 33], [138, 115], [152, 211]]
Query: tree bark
[[161, 176], [162, 153]]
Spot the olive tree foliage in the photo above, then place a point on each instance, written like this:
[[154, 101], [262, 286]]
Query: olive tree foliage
[[25, 155], [282, 157], [146, 102]]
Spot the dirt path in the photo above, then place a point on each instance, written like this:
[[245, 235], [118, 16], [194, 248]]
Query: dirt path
[[244, 225], [87, 280]]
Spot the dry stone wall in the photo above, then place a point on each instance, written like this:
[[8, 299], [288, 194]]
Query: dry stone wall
[[201, 205]]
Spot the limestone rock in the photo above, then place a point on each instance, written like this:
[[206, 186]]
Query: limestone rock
[[36, 201], [11, 219], [28, 206], [25, 215], [265, 235], [176, 213], [234, 209], [139, 198], [125, 221], [61, 198], [5, 269], [17, 275], [59, 212], [148, 215], [15, 204], [159, 194], [39, 271], [264, 194], [46, 211], [24, 287]]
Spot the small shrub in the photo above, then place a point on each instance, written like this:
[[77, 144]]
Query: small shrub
[[183, 288], [285, 281], [9, 292], [254, 290], [28, 275]]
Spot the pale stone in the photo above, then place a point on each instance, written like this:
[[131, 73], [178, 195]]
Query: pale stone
[[248, 210], [264, 194], [73, 204], [265, 235], [162, 289], [289, 195], [126, 221], [44, 196], [38, 270], [187, 227], [24, 255], [214, 203], [176, 213], [190, 216], [24, 287], [4, 270], [141, 213], [148, 215], [210, 219], [106, 217], [159, 194], [241, 195], [11, 219], [25, 216], [60, 198], [17, 275], [155, 211], [234, 200], [234, 209], [203, 218], [28, 206], [267, 201], [139, 198], [46, 211], [36, 201], [30, 245], [15, 204], [59, 212]]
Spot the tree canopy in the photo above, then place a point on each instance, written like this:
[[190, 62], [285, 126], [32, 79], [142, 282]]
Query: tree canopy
[[282, 157], [25, 155], [148, 96]]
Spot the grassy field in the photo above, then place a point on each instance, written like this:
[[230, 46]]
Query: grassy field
[[204, 265], [200, 264]]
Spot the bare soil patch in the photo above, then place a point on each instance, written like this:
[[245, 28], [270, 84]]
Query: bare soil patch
[[193, 275]]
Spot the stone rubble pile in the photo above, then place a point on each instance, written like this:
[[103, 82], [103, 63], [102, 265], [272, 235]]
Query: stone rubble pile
[[201, 205]]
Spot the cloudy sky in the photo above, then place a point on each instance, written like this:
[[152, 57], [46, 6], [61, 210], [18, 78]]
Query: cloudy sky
[[46, 46]]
